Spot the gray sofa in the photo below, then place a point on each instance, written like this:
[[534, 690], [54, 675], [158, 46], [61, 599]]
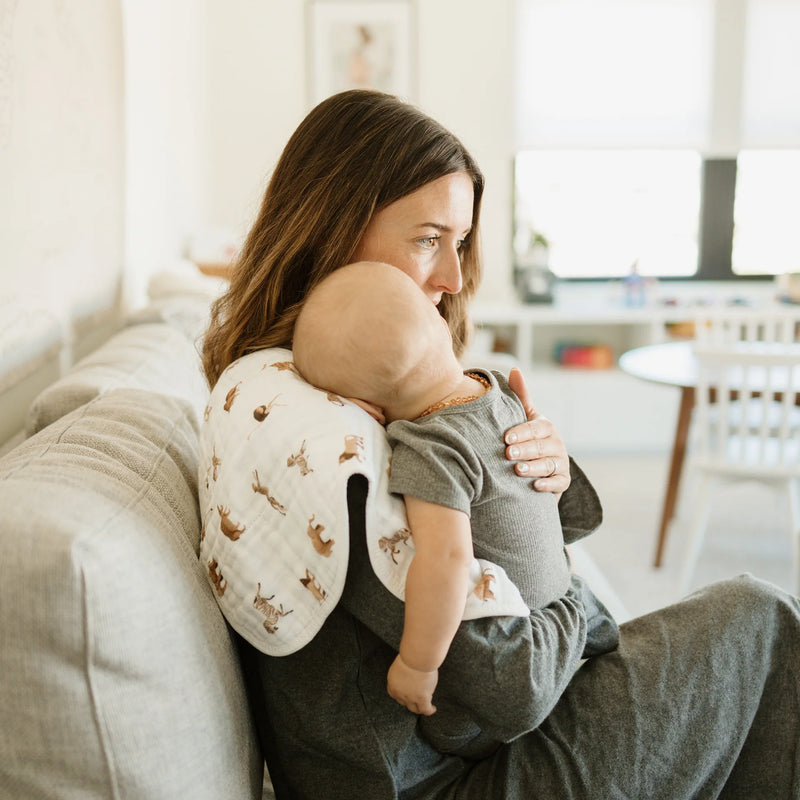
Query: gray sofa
[[119, 677]]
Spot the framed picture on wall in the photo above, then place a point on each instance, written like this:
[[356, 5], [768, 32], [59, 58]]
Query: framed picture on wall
[[367, 44]]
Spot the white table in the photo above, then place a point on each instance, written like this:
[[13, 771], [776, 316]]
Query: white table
[[671, 364]]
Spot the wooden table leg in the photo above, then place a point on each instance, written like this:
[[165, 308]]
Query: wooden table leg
[[675, 468]]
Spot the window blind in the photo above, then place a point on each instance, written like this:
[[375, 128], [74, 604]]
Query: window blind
[[613, 73], [771, 81]]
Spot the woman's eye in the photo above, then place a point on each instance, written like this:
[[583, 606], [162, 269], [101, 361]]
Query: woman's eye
[[428, 241]]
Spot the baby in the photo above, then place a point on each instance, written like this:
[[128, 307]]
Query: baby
[[368, 333]]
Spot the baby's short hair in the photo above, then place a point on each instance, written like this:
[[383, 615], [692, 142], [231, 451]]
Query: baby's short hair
[[350, 335]]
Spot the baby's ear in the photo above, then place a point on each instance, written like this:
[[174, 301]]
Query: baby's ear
[[374, 411]]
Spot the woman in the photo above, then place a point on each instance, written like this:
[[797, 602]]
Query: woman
[[701, 699], [317, 215]]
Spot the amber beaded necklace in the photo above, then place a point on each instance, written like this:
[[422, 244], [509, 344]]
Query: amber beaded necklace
[[457, 401]]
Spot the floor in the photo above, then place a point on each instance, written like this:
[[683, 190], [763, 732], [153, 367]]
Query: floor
[[748, 531]]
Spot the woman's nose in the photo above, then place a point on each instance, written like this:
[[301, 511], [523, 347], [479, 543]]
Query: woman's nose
[[447, 277]]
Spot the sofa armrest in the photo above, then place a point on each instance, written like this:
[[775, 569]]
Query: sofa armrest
[[119, 674]]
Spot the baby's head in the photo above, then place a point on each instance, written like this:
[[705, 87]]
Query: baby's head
[[368, 331]]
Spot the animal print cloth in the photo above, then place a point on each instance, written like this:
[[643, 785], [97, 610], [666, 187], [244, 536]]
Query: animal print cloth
[[275, 458]]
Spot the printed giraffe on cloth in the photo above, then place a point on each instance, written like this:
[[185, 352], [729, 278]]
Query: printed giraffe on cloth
[[275, 457]]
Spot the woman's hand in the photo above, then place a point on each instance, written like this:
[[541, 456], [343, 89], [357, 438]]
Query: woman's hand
[[536, 446]]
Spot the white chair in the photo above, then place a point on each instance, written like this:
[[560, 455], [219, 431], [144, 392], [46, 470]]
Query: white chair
[[724, 326], [746, 427], [732, 325]]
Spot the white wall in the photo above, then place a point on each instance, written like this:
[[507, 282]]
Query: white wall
[[61, 189], [257, 94], [60, 154], [166, 155], [256, 97], [127, 126], [466, 83]]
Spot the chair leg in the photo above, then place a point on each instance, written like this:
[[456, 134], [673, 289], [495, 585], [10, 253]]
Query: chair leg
[[697, 532]]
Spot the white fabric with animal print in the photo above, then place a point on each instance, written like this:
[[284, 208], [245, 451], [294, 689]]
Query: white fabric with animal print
[[275, 458]]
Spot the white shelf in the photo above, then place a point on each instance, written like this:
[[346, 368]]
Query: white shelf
[[598, 311], [602, 409]]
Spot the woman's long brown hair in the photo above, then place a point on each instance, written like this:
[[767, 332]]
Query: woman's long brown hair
[[354, 154]]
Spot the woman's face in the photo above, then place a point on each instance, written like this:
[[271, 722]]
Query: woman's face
[[422, 233]]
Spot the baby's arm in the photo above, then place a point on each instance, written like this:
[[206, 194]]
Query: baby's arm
[[436, 591]]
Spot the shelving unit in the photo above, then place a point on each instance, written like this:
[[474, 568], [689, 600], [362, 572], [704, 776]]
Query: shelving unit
[[602, 409]]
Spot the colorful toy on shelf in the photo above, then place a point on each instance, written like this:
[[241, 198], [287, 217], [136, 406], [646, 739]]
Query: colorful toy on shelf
[[585, 356]]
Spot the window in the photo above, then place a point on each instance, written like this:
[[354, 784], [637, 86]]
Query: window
[[602, 211], [664, 134], [766, 212]]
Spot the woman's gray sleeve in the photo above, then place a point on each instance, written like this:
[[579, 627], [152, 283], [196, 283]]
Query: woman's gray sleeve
[[579, 507]]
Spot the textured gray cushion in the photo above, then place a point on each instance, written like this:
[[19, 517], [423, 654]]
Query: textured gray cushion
[[118, 676], [154, 356]]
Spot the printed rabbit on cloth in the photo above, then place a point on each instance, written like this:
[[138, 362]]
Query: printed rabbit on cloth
[[275, 458]]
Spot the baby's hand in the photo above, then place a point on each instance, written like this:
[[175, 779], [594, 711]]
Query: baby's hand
[[376, 412], [412, 688]]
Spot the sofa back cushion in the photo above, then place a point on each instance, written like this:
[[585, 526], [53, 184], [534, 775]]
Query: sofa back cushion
[[154, 356], [118, 675]]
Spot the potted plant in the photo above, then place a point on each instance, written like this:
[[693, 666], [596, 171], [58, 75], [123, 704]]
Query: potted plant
[[533, 277]]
